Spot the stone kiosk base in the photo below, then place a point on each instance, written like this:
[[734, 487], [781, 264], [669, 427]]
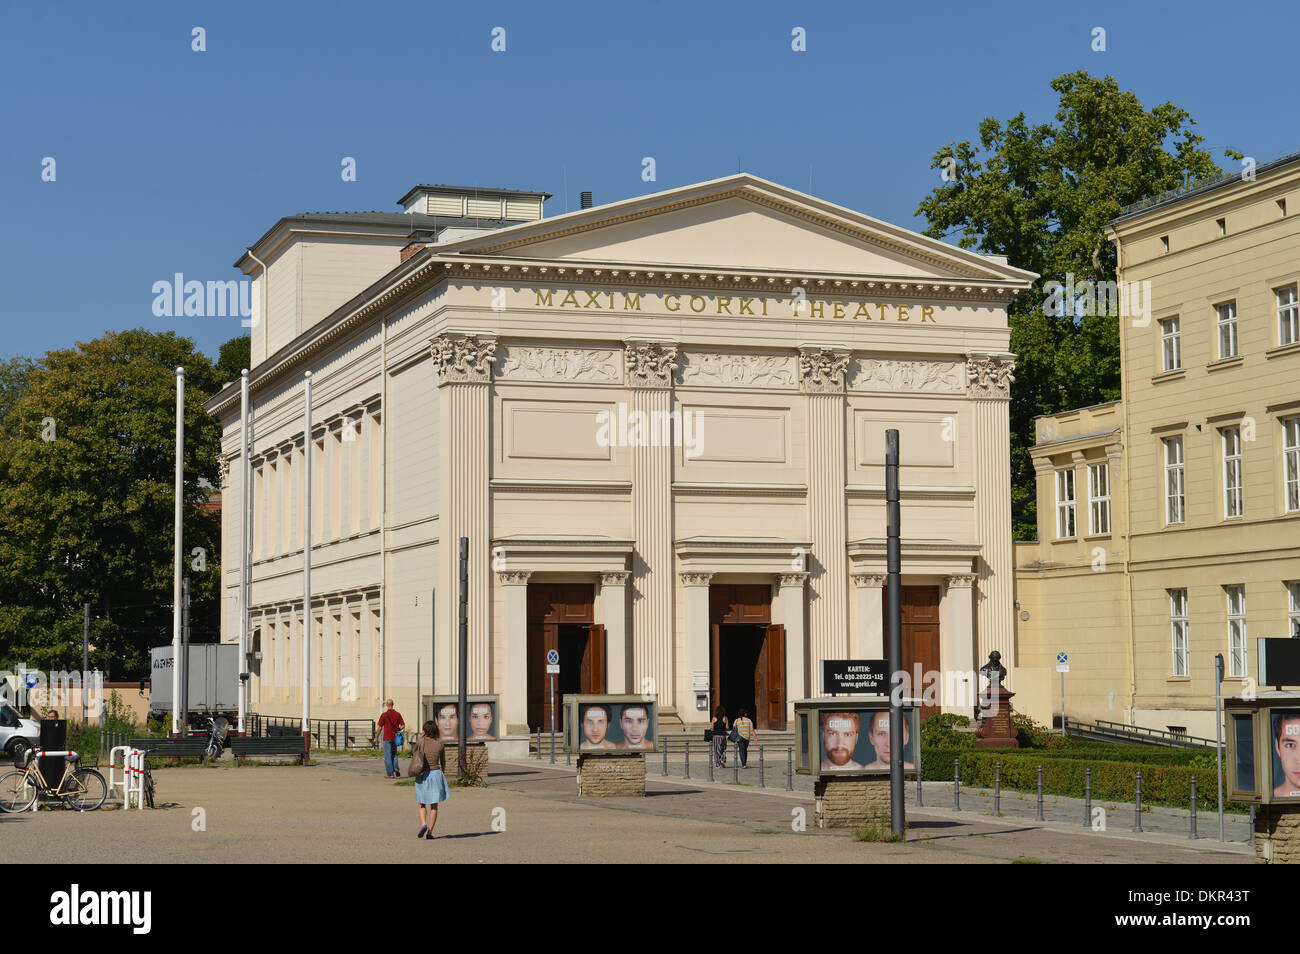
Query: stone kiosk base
[[850, 802], [476, 758], [1277, 835], [601, 775]]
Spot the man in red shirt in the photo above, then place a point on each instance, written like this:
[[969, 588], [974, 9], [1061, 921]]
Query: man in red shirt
[[390, 723]]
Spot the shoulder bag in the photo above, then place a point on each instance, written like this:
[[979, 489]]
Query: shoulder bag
[[419, 765]]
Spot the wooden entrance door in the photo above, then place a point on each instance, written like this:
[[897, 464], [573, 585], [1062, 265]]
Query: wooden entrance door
[[920, 631], [560, 617], [745, 646]]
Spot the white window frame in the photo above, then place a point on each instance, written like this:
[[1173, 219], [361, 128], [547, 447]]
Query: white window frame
[[1175, 492], [1099, 498], [1171, 348], [1293, 609], [1227, 313], [1288, 315], [1291, 464], [1236, 615], [1065, 505], [1179, 631], [1233, 502]]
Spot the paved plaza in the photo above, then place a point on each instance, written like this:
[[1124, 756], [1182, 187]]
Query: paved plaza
[[342, 809]]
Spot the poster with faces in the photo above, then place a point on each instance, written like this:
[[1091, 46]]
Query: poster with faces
[[1286, 753], [614, 727], [482, 721], [857, 740]]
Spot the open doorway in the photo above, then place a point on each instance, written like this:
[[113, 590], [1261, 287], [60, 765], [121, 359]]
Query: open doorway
[[747, 654], [561, 618]]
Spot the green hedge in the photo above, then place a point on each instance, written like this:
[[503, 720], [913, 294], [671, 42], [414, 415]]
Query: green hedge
[[1116, 752], [1162, 784]]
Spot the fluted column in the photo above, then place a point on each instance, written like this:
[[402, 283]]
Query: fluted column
[[514, 640], [464, 366], [651, 367], [613, 614], [869, 642], [822, 370], [989, 386]]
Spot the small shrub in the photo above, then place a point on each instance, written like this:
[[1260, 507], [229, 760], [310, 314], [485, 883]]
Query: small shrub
[[940, 732], [878, 829]]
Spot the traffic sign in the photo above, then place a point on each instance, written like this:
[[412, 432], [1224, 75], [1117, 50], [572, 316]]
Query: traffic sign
[[552, 669], [552, 656], [1061, 657], [1062, 668]]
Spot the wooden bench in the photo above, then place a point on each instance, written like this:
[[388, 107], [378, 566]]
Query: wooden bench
[[294, 745], [170, 748]]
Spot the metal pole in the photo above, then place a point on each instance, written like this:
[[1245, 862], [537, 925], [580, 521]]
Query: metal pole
[[760, 767], [244, 518], [552, 718], [1062, 705], [1193, 833], [1040, 793], [997, 788], [1218, 732], [85, 662], [893, 562], [177, 545], [956, 785], [665, 771], [919, 788], [735, 764], [306, 559], [463, 721], [1137, 805], [688, 759], [789, 768], [1087, 797], [185, 654], [712, 748]]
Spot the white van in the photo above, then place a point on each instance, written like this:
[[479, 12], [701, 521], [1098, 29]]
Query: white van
[[17, 734]]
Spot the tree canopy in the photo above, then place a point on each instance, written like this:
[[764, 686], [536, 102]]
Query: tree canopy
[[1042, 196]]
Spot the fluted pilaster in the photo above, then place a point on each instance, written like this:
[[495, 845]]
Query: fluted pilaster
[[989, 381]]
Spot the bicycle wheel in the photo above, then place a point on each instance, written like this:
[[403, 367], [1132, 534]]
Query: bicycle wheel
[[90, 792], [148, 788], [17, 793]]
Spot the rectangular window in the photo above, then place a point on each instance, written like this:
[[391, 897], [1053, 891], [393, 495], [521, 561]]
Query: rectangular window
[[1099, 498], [1291, 463], [1288, 316], [1293, 609], [1227, 329], [1178, 627], [1170, 346], [1231, 472], [1064, 504], [1173, 480], [1236, 596]]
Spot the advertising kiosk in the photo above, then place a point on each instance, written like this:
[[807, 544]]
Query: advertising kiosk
[[610, 735]]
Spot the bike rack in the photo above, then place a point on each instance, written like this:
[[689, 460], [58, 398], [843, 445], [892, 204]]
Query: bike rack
[[126, 751], [132, 782]]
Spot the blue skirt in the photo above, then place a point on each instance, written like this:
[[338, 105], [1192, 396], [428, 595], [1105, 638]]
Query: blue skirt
[[431, 787]]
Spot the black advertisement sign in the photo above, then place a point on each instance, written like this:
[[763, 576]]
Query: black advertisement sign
[[869, 676]]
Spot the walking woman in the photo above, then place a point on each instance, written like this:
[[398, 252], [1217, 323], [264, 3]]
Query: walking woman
[[720, 729], [744, 729], [428, 765]]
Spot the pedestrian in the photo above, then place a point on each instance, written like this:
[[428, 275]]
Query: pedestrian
[[720, 729], [390, 723], [429, 766], [744, 730]]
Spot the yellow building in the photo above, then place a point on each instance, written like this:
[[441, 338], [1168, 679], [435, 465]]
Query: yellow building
[[1169, 523]]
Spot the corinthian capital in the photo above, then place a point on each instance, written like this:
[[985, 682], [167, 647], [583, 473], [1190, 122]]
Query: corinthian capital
[[989, 375], [464, 358], [823, 368], [650, 364]]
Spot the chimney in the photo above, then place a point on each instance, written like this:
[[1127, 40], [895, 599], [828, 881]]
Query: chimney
[[586, 200]]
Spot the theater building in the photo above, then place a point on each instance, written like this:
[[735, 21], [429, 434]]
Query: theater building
[[1169, 521], [660, 424]]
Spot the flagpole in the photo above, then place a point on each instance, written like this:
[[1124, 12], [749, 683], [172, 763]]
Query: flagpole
[[176, 551], [306, 562]]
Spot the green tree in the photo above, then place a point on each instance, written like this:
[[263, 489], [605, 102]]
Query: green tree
[[13, 382], [86, 500], [1042, 196], [233, 358]]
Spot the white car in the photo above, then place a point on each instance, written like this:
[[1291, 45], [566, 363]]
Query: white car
[[17, 734]]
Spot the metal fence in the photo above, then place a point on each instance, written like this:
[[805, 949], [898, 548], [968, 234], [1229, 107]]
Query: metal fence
[[325, 733]]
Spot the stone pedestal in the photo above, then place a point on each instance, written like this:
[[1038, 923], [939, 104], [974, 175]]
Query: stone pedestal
[[602, 775], [996, 730], [850, 802], [476, 758], [1277, 835]]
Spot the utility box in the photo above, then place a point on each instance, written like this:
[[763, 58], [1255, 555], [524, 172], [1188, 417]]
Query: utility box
[[213, 679]]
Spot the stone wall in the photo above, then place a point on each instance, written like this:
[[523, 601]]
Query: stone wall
[[849, 802], [602, 775], [476, 759], [1277, 835]]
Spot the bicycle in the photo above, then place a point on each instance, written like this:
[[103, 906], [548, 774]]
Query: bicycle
[[81, 789]]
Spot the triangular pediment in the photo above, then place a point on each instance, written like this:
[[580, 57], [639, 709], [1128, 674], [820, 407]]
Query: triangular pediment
[[742, 223]]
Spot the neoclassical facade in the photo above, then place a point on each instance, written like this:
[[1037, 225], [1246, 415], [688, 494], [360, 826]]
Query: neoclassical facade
[[660, 424]]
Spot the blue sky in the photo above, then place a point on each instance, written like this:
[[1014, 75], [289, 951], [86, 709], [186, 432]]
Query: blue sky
[[170, 160]]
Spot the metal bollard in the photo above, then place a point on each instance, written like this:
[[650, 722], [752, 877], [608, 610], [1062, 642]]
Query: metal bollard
[[956, 785], [665, 772], [568, 755], [1137, 805], [760, 766], [711, 760], [1087, 797], [735, 765], [1250, 835], [997, 788], [688, 758], [1040, 794], [789, 768], [552, 745], [1193, 833]]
